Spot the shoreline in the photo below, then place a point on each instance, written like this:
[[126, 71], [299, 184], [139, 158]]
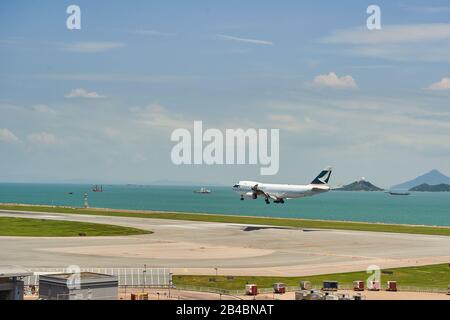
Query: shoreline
[[239, 219]]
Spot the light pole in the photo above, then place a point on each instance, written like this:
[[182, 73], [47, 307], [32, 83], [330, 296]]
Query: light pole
[[86, 204], [170, 282], [143, 276]]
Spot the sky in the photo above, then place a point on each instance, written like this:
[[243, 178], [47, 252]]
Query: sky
[[99, 104]]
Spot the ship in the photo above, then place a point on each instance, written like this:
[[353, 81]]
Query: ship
[[97, 188], [203, 190], [393, 193]]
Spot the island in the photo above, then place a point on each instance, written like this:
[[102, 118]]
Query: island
[[434, 177], [424, 187], [361, 185]]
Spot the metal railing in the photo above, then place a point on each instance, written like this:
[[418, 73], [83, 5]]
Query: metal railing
[[75, 296], [132, 277], [162, 278], [296, 288]]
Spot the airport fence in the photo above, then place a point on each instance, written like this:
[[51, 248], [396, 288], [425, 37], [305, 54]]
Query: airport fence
[[162, 278], [349, 287], [130, 277], [210, 290], [74, 296], [421, 289], [241, 292]]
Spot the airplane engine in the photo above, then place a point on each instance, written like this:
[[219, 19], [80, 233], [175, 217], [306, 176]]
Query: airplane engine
[[251, 195]]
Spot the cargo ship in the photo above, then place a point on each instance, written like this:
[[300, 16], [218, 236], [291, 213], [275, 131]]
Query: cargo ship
[[203, 191], [97, 188], [393, 193]]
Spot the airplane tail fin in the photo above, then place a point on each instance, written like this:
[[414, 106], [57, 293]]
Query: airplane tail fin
[[323, 177]]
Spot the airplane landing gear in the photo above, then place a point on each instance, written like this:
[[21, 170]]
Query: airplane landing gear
[[242, 198], [267, 201]]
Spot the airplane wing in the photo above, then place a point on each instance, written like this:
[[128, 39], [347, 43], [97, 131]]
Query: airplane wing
[[259, 192], [277, 198], [274, 196]]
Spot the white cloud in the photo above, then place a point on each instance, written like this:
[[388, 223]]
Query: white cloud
[[413, 42], [427, 9], [147, 32], [158, 116], [404, 52], [420, 142], [291, 123], [444, 84], [138, 158], [42, 108], [110, 132], [116, 78], [43, 139], [12, 42], [92, 46], [332, 80], [391, 117], [7, 136], [282, 118], [82, 93], [246, 40], [393, 34]]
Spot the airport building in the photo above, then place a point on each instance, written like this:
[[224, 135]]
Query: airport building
[[78, 286], [11, 283]]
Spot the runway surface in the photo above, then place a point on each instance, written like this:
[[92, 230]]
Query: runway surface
[[200, 247]]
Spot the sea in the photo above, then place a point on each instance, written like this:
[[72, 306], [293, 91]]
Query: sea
[[417, 208]]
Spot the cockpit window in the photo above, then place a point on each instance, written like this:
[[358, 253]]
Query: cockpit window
[[236, 186]]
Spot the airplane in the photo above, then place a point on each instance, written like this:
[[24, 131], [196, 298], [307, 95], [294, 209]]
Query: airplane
[[279, 192]]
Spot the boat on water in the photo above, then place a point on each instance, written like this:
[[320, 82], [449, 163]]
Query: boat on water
[[393, 193], [203, 191], [97, 188]]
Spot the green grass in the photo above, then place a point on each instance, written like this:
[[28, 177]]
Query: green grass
[[433, 276], [25, 227], [295, 223]]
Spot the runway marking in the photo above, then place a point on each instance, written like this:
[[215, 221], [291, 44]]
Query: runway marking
[[331, 254], [166, 250]]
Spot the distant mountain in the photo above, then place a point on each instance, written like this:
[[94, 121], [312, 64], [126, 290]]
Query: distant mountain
[[361, 185], [432, 188], [433, 177]]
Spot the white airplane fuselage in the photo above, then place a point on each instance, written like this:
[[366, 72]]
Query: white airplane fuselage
[[280, 192]]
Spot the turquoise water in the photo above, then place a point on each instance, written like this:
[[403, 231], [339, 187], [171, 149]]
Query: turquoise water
[[418, 208]]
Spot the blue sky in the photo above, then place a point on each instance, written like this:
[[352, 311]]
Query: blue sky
[[99, 104]]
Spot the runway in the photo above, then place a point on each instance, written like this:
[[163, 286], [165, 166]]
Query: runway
[[200, 247]]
